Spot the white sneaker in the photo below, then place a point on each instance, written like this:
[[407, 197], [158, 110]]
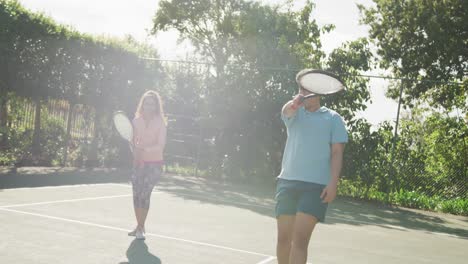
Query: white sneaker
[[133, 233], [139, 234]]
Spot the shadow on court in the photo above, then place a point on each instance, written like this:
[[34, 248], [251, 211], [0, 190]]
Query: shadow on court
[[57, 176], [138, 253], [364, 213], [260, 199], [257, 197]]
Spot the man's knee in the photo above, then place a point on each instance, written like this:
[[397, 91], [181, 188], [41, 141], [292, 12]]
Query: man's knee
[[284, 239], [300, 240]]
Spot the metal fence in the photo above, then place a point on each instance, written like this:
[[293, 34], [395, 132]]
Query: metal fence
[[190, 149], [22, 112]]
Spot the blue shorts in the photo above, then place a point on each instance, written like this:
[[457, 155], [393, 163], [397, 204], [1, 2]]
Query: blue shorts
[[298, 196]]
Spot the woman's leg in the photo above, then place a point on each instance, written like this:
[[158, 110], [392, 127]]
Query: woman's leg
[[138, 189], [148, 180], [141, 218]]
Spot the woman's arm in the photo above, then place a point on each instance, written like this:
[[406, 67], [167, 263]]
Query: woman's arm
[[160, 143], [137, 150]]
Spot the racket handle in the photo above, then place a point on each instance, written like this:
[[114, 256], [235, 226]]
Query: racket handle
[[308, 96], [297, 101]]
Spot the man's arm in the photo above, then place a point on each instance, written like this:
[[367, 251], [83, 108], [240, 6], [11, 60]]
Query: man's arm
[[337, 150], [290, 108], [329, 192]]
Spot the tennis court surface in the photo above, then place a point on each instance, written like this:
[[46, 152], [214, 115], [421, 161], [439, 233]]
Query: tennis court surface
[[83, 216]]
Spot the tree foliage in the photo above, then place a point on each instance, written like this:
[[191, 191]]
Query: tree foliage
[[425, 41]]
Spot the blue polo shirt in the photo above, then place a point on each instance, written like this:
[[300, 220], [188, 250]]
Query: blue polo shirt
[[307, 153]]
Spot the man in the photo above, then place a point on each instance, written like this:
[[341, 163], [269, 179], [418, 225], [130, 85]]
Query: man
[[311, 166]]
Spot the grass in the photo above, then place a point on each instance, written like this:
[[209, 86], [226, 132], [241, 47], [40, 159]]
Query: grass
[[411, 199]]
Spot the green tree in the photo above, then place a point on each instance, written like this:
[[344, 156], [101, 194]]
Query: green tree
[[425, 41], [43, 60], [256, 51]]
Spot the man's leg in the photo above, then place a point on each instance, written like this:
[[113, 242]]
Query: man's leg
[[303, 226], [285, 232]]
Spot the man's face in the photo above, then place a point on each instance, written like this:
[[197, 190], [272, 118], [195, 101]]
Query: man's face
[[304, 92], [309, 101]]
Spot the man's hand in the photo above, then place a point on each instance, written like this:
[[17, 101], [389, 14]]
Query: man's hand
[[297, 101], [290, 108], [329, 193]]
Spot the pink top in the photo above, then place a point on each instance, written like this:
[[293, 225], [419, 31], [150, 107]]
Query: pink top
[[151, 136]]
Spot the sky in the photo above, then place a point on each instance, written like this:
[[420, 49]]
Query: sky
[[123, 17]]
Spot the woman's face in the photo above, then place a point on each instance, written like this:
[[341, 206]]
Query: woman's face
[[149, 105]]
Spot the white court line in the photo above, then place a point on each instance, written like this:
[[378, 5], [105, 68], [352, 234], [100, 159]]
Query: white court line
[[330, 217], [55, 187], [224, 200], [207, 198], [148, 234], [239, 203], [267, 260], [66, 201]]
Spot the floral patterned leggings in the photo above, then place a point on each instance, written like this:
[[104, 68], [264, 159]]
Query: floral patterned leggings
[[143, 181]]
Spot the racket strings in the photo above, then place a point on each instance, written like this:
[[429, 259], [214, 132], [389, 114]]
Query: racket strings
[[320, 82], [123, 126]]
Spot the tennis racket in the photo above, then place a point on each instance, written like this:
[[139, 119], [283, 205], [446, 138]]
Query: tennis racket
[[123, 126], [319, 82]]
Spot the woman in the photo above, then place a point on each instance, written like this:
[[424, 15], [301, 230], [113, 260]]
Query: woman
[[148, 145]]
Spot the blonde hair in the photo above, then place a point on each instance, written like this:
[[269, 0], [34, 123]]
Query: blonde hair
[[157, 99]]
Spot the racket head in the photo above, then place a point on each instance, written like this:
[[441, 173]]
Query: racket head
[[123, 125], [320, 82]]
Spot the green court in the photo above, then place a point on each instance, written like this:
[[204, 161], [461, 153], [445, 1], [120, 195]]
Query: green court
[[196, 220]]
